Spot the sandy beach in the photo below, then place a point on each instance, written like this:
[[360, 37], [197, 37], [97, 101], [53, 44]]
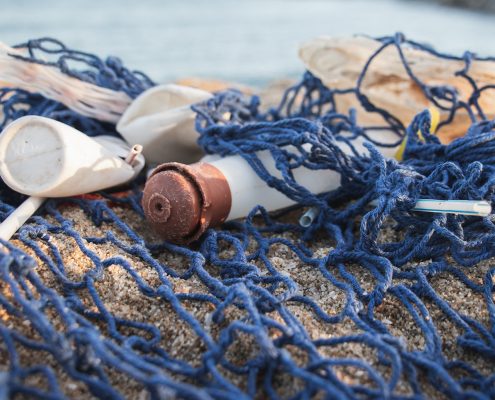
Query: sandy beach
[[121, 296]]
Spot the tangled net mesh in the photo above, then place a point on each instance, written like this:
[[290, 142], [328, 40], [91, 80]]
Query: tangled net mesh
[[358, 305]]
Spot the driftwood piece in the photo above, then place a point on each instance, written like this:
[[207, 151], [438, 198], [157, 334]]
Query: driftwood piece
[[338, 62], [83, 97]]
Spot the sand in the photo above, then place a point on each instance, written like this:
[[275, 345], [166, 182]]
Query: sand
[[121, 296]]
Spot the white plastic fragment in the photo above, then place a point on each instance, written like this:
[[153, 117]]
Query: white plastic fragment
[[43, 158], [161, 120], [21, 214]]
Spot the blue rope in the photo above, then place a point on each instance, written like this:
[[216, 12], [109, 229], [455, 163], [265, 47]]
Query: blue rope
[[93, 340]]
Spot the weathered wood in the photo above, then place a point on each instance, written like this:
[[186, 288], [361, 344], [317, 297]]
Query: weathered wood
[[338, 62], [83, 97]]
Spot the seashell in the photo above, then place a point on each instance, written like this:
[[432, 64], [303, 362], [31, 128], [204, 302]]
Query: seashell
[[338, 62], [162, 121], [46, 158]]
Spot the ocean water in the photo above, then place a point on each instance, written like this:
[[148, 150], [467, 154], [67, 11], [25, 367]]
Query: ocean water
[[250, 41]]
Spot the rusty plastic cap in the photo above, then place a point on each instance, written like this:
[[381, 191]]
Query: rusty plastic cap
[[181, 201]]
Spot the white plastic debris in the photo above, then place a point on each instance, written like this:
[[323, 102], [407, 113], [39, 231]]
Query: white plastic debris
[[248, 189], [161, 120], [21, 214], [41, 157], [478, 208]]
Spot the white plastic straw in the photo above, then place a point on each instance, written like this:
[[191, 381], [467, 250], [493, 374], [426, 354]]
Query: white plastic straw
[[20, 215], [478, 208], [135, 151], [308, 217]]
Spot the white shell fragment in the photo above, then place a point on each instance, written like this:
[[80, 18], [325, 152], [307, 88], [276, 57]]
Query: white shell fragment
[[46, 158], [82, 97], [162, 121], [338, 62]]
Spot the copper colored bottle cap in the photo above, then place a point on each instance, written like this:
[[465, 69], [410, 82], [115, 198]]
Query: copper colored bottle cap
[[181, 201]]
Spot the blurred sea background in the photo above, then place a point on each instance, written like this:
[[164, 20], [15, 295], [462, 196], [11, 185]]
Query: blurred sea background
[[247, 41]]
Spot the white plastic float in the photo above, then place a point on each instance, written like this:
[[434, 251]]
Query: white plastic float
[[41, 157], [181, 201]]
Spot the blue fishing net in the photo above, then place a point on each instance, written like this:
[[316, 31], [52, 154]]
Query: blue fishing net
[[263, 334]]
